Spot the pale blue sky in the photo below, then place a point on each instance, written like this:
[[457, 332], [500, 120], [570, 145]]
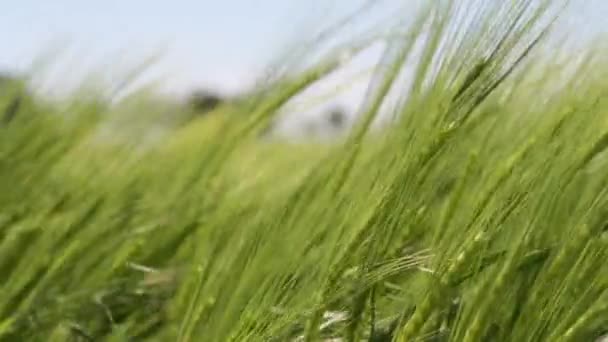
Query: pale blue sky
[[203, 41], [217, 42]]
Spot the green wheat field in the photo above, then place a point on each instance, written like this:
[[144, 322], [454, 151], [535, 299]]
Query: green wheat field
[[480, 213]]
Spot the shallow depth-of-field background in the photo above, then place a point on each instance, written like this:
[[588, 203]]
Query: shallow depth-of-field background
[[479, 214]]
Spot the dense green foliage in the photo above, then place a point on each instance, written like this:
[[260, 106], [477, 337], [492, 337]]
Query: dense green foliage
[[481, 214]]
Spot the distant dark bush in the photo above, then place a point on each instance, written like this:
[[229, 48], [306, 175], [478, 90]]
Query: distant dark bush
[[203, 101], [337, 118]]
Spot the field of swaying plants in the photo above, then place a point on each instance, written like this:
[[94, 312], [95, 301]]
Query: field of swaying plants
[[479, 214]]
